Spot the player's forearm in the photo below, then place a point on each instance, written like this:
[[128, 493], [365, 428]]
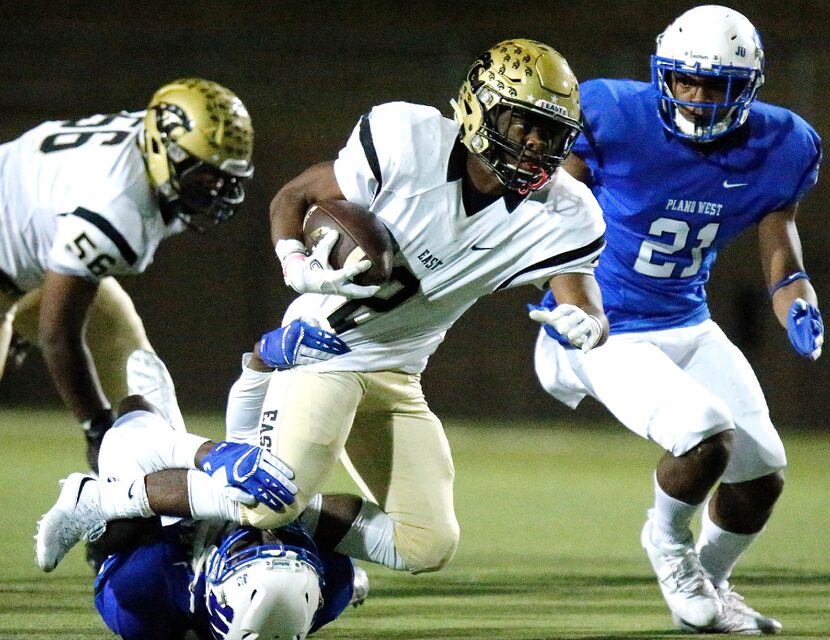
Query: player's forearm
[[190, 493], [64, 305], [286, 213], [73, 373], [581, 290], [289, 206], [167, 493]]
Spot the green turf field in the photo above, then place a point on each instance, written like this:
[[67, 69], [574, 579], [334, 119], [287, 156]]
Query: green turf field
[[550, 522]]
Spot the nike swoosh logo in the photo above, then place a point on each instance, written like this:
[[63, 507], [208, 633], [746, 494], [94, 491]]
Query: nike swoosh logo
[[81, 489], [239, 462], [130, 491], [732, 185], [475, 247]]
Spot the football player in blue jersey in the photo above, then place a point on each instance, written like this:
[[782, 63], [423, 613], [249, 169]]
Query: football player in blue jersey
[[680, 166], [208, 573], [205, 574]]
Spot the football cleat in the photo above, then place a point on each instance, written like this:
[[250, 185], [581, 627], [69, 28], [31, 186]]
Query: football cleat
[[690, 595], [75, 516], [360, 587], [147, 376], [738, 618]]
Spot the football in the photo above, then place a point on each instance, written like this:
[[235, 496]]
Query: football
[[362, 236]]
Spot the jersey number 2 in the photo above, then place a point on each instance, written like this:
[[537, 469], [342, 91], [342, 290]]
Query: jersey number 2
[[678, 230], [403, 284]]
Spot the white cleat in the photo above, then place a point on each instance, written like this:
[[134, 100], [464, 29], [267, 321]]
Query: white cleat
[[75, 516], [147, 376], [360, 587], [690, 595], [738, 618]]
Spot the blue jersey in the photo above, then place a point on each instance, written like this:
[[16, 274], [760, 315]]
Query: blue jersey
[[149, 593], [670, 205]]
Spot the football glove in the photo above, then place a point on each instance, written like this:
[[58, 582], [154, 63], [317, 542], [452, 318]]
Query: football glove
[[253, 470], [313, 274], [299, 342], [805, 329], [574, 326]]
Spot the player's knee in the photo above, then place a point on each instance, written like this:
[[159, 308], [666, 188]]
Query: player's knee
[[755, 495], [427, 548], [713, 453], [747, 506]]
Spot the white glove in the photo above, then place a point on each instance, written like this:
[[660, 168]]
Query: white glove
[[581, 329], [313, 274]]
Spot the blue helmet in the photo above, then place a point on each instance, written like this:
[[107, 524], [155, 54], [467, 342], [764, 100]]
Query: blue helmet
[[709, 41], [256, 590]]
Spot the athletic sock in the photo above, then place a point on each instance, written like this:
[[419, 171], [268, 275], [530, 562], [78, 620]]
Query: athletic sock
[[124, 499], [719, 549], [372, 537], [671, 521], [208, 501]]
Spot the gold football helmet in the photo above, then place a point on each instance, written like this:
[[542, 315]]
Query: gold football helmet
[[528, 80], [197, 146]]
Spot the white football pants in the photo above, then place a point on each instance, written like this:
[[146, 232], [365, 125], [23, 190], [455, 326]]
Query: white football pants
[[676, 387]]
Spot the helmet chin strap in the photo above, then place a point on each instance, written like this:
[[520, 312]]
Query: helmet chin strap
[[691, 129]]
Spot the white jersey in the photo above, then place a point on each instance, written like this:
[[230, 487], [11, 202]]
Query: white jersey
[[75, 198], [404, 162]]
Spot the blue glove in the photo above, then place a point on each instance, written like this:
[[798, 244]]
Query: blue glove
[[805, 329], [553, 333], [299, 343], [254, 470]]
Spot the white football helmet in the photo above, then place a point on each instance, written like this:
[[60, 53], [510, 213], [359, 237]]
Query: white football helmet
[[712, 41], [261, 591]]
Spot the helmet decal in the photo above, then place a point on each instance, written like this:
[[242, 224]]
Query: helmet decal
[[172, 121]]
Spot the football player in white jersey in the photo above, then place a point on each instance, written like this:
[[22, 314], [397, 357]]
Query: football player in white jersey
[[453, 195], [84, 200]]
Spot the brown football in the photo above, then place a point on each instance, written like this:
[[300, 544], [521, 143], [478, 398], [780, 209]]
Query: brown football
[[362, 236]]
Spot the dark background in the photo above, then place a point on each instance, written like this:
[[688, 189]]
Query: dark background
[[307, 71]]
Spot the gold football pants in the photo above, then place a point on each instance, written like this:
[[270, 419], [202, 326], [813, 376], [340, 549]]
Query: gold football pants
[[113, 331], [398, 451]]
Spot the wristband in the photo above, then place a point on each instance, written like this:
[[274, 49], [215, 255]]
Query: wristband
[[287, 247], [783, 282]]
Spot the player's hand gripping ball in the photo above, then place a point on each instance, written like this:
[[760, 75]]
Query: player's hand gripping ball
[[361, 236]]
